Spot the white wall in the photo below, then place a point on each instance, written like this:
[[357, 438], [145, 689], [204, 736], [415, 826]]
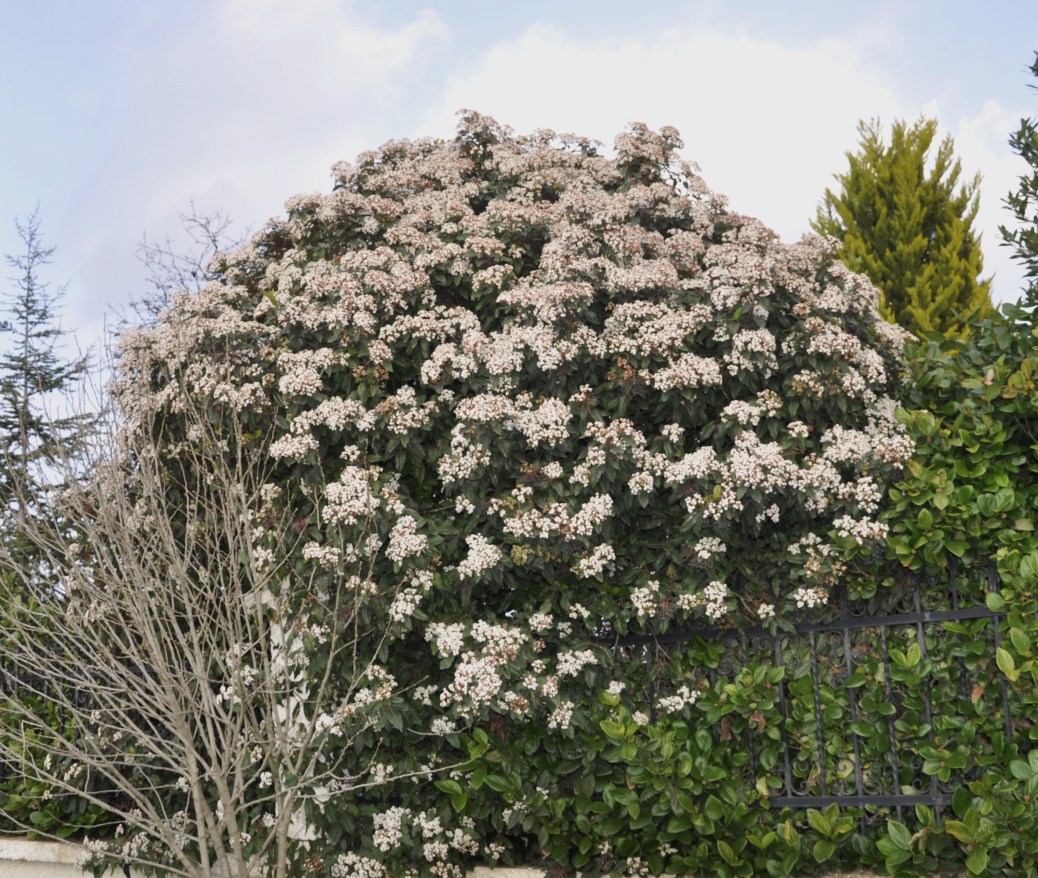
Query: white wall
[[47, 859], [38, 859]]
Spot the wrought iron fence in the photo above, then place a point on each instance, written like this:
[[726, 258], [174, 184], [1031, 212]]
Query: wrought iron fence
[[869, 685], [846, 687]]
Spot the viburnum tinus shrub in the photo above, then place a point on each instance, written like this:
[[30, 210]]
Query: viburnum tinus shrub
[[523, 397]]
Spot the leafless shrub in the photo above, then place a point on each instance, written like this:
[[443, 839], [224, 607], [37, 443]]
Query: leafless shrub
[[173, 650]]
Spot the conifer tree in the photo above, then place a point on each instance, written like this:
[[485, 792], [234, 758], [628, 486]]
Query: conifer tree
[[904, 219], [36, 379]]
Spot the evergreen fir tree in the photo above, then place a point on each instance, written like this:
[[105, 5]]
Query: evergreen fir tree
[[36, 380], [1023, 204], [903, 219]]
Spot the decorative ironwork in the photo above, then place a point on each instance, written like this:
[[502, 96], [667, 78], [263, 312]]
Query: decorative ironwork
[[828, 649]]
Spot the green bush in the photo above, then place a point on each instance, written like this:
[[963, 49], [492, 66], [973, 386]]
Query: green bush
[[690, 792], [29, 802], [972, 494]]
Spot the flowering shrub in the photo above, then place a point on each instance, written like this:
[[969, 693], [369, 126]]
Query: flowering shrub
[[523, 397]]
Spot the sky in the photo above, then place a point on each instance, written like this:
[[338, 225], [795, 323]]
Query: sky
[[118, 115]]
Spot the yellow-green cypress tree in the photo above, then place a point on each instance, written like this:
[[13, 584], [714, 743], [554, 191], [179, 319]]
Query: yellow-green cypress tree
[[904, 220]]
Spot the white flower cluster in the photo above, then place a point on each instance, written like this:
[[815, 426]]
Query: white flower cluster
[[556, 519], [595, 562], [476, 683], [810, 597], [673, 433], [678, 701], [640, 483], [482, 556], [326, 556], [336, 414], [407, 600], [442, 727], [404, 415], [477, 677], [389, 828], [541, 622], [449, 639], [351, 497], [562, 715], [714, 597], [708, 547], [293, 447], [502, 642], [712, 601], [465, 459], [573, 662], [547, 424], [302, 375], [742, 412], [579, 611], [392, 826], [688, 370], [752, 349], [645, 599], [404, 540], [354, 866], [859, 530]]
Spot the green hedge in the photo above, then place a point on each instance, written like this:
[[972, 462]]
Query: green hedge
[[679, 794]]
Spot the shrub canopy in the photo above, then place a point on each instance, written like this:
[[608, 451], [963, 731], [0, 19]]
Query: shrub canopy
[[523, 397]]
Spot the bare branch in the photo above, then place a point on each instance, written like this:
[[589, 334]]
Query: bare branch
[[176, 649], [174, 267]]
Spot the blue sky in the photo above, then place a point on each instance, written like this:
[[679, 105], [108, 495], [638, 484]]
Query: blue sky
[[118, 114]]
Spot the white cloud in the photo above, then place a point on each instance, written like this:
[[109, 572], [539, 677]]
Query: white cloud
[[274, 90], [238, 109], [768, 124], [322, 42]]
